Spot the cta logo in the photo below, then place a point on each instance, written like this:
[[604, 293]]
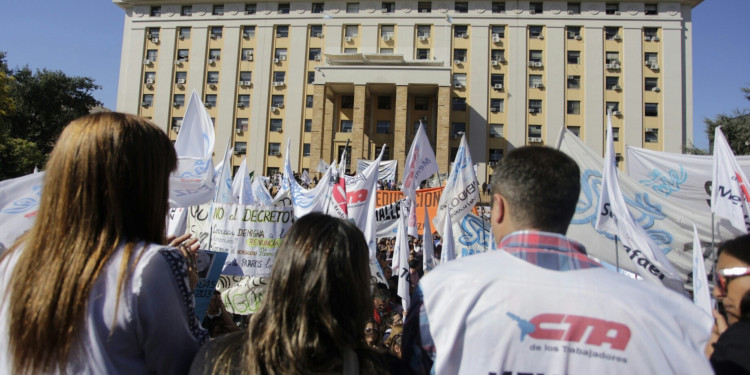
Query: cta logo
[[574, 328]]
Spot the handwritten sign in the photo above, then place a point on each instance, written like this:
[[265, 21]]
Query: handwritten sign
[[209, 265]]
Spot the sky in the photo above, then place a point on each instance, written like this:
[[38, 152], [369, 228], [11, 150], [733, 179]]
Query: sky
[[84, 38]]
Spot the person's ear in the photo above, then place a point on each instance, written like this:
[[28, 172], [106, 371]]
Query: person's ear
[[499, 201]]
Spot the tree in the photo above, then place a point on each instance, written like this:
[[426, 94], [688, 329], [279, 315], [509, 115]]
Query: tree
[[34, 108], [736, 128]]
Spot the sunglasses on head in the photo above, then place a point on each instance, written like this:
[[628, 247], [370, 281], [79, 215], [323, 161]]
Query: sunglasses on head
[[369, 330], [724, 276]]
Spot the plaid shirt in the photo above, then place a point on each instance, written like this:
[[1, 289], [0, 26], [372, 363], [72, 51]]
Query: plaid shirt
[[547, 250]]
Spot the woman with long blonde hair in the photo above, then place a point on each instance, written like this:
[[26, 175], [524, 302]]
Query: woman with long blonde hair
[[89, 289]]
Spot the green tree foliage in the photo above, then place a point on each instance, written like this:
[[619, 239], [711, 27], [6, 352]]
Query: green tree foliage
[[735, 126], [34, 108]]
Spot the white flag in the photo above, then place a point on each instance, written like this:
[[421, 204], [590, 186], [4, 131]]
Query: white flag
[[177, 221], [613, 217], [428, 251], [411, 228], [19, 204], [338, 198], [701, 295], [361, 199], [400, 265], [449, 245], [193, 181], [420, 164], [305, 177], [730, 192], [461, 192], [241, 187], [224, 184], [260, 192], [305, 201]]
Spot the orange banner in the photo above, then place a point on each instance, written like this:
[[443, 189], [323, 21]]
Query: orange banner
[[425, 197]]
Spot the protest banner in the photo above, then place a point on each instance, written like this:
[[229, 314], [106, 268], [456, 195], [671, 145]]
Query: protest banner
[[386, 168], [461, 192], [19, 203], [199, 224], [209, 265], [388, 208], [242, 295]]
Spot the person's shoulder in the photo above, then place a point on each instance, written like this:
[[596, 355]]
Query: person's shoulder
[[223, 354]]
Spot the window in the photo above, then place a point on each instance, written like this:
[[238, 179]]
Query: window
[[155, 11], [423, 53], [424, 7], [251, 8], [535, 131], [615, 134], [383, 127], [574, 57], [184, 33], [651, 83], [575, 130], [241, 124], [272, 171], [180, 78], [276, 125], [240, 148], [248, 32], [243, 100], [458, 129], [178, 100], [652, 109], [149, 77], [535, 106], [611, 33], [458, 104], [280, 53], [498, 31], [535, 80], [187, 10], [316, 31], [216, 32], [247, 54], [350, 50], [348, 152], [535, 55], [283, 8], [317, 8], [282, 31], [535, 32], [246, 76], [308, 101], [652, 135], [388, 7], [218, 10], [210, 100], [574, 82], [454, 152], [346, 126], [651, 58], [305, 149], [310, 77], [384, 102], [497, 54], [351, 31], [387, 31], [496, 130], [214, 55], [459, 79], [352, 7], [461, 7], [612, 106], [461, 31], [274, 149], [308, 126], [574, 8], [386, 153], [277, 101], [497, 79], [574, 32], [347, 101], [421, 103], [574, 107], [459, 54], [495, 155], [212, 77], [651, 9], [151, 55], [498, 7], [650, 33], [536, 7], [612, 81], [612, 57], [176, 123], [424, 31], [497, 105], [314, 54], [613, 8]]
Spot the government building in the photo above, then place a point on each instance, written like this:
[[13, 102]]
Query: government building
[[321, 74]]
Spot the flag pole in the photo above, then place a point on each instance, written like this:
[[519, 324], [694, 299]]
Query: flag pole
[[713, 245], [617, 256], [330, 196]]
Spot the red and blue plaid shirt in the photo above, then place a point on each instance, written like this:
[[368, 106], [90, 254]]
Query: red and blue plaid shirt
[[547, 250]]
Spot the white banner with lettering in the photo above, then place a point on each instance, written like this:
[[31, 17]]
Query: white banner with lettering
[[387, 170]]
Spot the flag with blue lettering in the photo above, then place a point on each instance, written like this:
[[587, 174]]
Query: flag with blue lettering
[[224, 184], [193, 181], [260, 192], [241, 187], [731, 191], [419, 165], [19, 204], [449, 244], [317, 199], [461, 192]]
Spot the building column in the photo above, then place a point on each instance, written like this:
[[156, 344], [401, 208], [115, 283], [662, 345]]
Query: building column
[[358, 123], [316, 146], [400, 129], [442, 145], [329, 128]]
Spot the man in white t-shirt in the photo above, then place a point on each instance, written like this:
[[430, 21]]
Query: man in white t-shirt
[[540, 305]]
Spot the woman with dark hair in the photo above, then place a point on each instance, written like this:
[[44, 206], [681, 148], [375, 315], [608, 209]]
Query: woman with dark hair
[[89, 289], [314, 311]]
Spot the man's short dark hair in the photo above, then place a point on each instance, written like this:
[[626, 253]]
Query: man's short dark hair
[[541, 185]]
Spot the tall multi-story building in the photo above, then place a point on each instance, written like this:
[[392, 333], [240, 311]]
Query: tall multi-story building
[[504, 73]]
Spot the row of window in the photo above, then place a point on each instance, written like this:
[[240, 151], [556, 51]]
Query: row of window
[[535, 7]]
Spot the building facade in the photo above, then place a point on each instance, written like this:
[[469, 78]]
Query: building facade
[[321, 74]]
